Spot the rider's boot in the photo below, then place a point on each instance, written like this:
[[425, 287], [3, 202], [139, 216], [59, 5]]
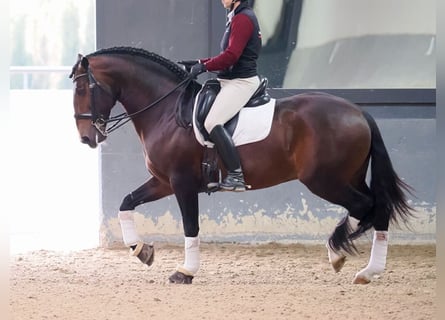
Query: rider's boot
[[234, 180]]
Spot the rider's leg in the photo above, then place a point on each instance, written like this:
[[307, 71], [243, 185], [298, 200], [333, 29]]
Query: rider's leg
[[233, 95], [234, 180]]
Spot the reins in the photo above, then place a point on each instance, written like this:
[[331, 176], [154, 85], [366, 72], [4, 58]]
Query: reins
[[121, 119], [127, 117]]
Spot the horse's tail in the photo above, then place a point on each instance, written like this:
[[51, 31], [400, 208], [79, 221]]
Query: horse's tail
[[388, 190]]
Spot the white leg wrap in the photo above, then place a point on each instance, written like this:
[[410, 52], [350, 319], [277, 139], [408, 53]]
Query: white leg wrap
[[129, 234], [377, 261], [191, 261]]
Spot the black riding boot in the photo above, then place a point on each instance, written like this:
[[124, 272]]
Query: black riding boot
[[230, 157]]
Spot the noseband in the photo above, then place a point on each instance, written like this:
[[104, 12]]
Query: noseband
[[98, 120]]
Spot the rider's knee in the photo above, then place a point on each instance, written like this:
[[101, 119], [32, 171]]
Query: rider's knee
[[209, 125]]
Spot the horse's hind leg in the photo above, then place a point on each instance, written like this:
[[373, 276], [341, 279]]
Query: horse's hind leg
[[358, 203], [379, 249], [377, 260], [361, 210]]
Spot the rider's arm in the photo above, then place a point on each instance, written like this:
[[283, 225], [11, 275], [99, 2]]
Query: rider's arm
[[241, 31]]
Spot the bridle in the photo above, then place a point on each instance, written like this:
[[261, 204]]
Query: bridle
[[98, 120]]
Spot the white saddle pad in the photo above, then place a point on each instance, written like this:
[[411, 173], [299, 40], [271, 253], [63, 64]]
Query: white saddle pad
[[253, 125]]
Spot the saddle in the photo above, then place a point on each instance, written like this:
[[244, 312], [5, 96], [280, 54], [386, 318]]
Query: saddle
[[202, 98], [207, 96]]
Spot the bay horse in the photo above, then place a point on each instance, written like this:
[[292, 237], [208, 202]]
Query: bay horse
[[322, 140]]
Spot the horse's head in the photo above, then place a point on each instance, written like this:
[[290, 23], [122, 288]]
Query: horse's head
[[93, 101]]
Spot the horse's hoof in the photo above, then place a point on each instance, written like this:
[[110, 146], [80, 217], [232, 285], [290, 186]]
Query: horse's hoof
[[145, 253], [361, 280], [338, 264], [180, 278], [337, 260]]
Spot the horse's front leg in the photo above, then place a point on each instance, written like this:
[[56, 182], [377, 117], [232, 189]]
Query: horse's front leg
[[186, 190], [152, 190]]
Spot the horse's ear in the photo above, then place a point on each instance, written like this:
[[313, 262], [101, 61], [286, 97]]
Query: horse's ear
[[83, 61], [76, 65]]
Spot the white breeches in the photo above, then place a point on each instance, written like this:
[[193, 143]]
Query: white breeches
[[233, 95]]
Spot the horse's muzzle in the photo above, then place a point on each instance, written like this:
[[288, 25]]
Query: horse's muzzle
[[86, 140], [93, 138]]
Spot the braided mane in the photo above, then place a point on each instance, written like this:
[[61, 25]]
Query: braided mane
[[173, 67]]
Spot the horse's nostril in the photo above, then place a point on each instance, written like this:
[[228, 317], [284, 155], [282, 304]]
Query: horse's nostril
[[85, 140]]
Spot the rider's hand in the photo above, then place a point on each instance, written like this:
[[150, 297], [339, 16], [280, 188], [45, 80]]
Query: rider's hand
[[197, 69], [188, 64]]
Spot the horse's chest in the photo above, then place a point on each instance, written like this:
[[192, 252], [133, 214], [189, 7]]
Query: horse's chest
[[158, 163]]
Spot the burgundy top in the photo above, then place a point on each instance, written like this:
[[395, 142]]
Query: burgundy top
[[241, 31]]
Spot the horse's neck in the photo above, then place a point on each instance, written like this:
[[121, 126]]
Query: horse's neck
[[142, 92], [143, 95], [139, 87]]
